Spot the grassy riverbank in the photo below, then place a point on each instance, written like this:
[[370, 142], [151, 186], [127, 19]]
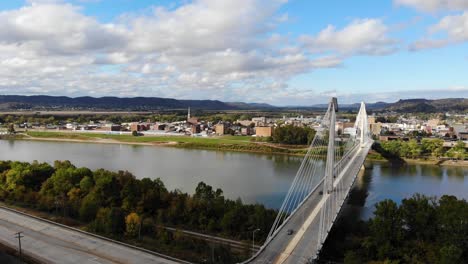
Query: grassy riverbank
[[227, 143], [221, 143], [376, 156]]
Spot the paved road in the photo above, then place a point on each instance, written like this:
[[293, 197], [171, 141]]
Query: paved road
[[54, 244], [303, 243]]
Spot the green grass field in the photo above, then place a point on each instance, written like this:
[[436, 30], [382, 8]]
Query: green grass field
[[129, 138], [228, 143]]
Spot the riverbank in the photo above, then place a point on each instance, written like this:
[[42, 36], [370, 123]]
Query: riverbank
[[223, 143], [219, 143], [375, 156]]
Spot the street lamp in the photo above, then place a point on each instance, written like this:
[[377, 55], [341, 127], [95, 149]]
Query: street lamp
[[253, 240]]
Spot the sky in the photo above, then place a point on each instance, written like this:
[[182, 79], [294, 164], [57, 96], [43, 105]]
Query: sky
[[281, 52]]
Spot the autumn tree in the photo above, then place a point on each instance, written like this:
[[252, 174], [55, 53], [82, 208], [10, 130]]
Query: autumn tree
[[132, 223]]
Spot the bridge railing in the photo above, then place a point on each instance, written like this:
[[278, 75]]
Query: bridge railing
[[312, 174]]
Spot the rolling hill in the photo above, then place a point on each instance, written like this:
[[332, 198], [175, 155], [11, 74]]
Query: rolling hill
[[45, 102], [428, 106], [106, 103]]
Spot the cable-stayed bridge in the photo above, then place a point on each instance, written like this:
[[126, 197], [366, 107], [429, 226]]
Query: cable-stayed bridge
[[305, 218], [318, 192]]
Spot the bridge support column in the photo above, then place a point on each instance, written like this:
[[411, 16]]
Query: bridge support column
[[329, 167], [363, 123]]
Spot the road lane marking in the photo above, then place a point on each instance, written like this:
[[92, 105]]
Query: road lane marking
[[300, 233]]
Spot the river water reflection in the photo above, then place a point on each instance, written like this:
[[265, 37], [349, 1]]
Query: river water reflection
[[252, 177], [384, 181]]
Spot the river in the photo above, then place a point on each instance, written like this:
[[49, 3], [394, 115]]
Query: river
[[255, 178]]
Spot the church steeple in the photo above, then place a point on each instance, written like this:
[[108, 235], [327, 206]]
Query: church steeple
[[188, 114]]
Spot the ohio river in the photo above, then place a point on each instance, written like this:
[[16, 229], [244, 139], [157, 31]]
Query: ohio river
[[255, 178]]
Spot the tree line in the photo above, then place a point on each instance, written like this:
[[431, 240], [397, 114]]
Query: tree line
[[419, 230], [117, 204], [293, 135], [427, 148]]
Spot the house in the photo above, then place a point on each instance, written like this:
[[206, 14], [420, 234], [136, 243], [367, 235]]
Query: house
[[140, 126], [193, 120], [134, 127], [433, 122], [460, 130], [195, 128], [264, 131], [111, 127], [244, 122], [246, 131], [221, 129], [376, 128], [390, 138], [159, 127], [463, 135], [259, 121]]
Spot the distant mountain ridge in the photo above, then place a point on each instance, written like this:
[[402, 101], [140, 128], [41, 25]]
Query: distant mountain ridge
[[429, 106], [46, 102], [106, 103], [412, 105]]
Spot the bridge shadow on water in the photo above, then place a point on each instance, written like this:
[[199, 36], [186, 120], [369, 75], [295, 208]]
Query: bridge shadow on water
[[349, 222]]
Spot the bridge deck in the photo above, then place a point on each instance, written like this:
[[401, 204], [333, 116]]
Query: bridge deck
[[303, 245]]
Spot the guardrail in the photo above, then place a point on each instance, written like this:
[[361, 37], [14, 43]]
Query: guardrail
[[96, 236]]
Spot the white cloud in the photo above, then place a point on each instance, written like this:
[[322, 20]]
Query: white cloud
[[434, 5], [362, 36], [212, 49], [54, 28], [453, 27]]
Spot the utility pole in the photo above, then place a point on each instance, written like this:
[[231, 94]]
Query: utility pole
[[253, 240], [19, 236]]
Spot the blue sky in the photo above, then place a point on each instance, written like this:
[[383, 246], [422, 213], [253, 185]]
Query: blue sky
[[294, 52]]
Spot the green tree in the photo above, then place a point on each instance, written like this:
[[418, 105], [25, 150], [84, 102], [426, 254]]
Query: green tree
[[451, 219], [293, 135], [419, 216], [86, 184], [352, 257], [392, 147], [450, 254], [103, 221], [458, 151], [414, 150], [434, 147], [11, 128], [89, 208], [117, 221], [386, 230]]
